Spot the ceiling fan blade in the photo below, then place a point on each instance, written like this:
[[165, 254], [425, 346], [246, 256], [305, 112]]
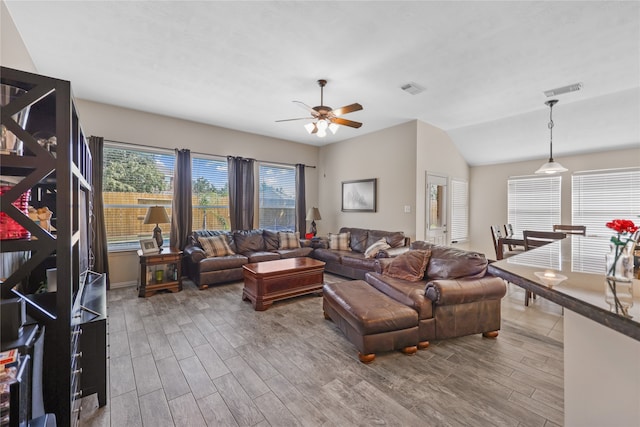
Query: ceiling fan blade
[[299, 118], [347, 109], [305, 107], [345, 122]]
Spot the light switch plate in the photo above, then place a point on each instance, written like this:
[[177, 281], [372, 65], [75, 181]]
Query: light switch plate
[[407, 208]]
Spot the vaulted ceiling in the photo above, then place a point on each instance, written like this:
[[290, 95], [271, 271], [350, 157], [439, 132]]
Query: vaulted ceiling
[[484, 66]]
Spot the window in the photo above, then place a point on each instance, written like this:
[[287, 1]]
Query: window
[[210, 192], [134, 179], [277, 193], [534, 203], [459, 210], [597, 197]]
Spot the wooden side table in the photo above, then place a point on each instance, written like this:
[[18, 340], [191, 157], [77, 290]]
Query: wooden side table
[[158, 271]]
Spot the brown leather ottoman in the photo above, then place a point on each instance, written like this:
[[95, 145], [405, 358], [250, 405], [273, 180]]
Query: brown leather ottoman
[[370, 320]]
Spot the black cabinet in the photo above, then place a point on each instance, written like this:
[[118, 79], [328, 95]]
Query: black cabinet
[[58, 177]]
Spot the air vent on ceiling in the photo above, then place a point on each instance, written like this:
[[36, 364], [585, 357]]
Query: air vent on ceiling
[[412, 88], [564, 89]]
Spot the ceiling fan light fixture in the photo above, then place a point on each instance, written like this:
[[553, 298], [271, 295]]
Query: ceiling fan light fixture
[[322, 125], [334, 128], [551, 166], [310, 127], [321, 133]]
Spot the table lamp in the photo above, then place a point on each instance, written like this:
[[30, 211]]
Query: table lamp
[[156, 215], [313, 214]]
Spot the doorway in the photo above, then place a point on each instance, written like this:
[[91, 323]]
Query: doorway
[[436, 210]]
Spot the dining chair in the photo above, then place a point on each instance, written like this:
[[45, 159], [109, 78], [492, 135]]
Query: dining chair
[[571, 229], [496, 235], [508, 232], [536, 239]]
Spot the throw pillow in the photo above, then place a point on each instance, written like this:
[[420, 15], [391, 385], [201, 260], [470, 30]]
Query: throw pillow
[[376, 247], [409, 266], [289, 240], [340, 241], [215, 246]]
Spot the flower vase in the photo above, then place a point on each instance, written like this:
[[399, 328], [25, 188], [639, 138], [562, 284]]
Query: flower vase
[[619, 283]]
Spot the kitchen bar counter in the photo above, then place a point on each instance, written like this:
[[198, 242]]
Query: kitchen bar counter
[[601, 348]]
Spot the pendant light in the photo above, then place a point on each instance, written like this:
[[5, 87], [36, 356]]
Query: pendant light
[[551, 166]]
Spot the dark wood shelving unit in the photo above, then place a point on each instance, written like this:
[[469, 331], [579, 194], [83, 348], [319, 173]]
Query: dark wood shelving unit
[[65, 175]]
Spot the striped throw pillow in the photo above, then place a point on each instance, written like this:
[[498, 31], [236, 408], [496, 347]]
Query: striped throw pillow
[[340, 241], [376, 247], [288, 240], [215, 246]]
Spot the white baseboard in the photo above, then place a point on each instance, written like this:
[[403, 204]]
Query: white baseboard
[[124, 284]]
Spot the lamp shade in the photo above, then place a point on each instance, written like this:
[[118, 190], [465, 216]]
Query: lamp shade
[[551, 167], [313, 214], [156, 215]]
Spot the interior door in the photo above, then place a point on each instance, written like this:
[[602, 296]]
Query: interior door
[[436, 210]]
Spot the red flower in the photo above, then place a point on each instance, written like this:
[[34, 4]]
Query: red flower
[[622, 226]]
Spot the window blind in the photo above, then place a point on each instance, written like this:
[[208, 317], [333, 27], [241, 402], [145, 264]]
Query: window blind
[[210, 190], [533, 203], [459, 210], [277, 197], [598, 197]]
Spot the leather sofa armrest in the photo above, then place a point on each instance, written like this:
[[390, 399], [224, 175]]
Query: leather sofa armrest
[[392, 252], [194, 253], [464, 291]]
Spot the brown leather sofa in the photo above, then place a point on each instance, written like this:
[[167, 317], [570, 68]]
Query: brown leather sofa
[[249, 246], [456, 297], [353, 263]]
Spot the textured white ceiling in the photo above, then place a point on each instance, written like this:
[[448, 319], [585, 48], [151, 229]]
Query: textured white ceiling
[[240, 64]]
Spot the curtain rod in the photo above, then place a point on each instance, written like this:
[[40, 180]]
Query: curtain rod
[[204, 154]]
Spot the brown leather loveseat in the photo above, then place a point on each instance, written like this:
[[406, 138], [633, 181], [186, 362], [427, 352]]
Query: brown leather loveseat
[[351, 261], [247, 246]]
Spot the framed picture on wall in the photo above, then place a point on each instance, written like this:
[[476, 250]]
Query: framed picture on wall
[[359, 195]]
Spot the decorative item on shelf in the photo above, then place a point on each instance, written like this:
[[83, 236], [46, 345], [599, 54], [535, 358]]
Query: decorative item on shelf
[[159, 276], [42, 217], [157, 215], [313, 215], [9, 228], [149, 246], [10, 144], [619, 262], [551, 166], [47, 140]]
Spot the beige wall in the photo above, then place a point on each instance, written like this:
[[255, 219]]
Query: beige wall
[[488, 189], [387, 155], [436, 154], [13, 52]]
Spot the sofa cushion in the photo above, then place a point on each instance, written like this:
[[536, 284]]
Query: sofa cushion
[[249, 241], [222, 263], [339, 241], [294, 253], [356, 260], [215, 246], [376, 247], [288, 240], [358, 238], [394, 239], [452, 263], [271, 241], [408, 293], [409, 266], [261, 256], [329, 255]]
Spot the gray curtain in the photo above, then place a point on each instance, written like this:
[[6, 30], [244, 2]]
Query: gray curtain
[[181, 217], [99, 231], [241, 190], [301, 204]]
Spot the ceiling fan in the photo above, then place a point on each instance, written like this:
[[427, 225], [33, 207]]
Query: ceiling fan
[[326, 117]]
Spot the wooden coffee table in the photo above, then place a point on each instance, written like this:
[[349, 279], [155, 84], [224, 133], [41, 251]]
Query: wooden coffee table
[[269, 281]]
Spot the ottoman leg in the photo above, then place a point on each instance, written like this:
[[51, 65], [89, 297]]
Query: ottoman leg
[[326, 316], [366, 358], [410, 350], [491, 334], [423, 344]]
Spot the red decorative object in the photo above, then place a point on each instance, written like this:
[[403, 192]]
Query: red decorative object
[[9, 228], [309, 236]]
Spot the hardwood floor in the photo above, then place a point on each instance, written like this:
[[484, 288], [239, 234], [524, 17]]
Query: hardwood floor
[[206, 358]]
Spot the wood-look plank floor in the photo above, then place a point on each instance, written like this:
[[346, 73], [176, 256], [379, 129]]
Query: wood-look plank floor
[[206, 358]]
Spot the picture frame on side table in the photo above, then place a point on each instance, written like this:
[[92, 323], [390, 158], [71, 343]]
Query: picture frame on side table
[[359, 195], [149, 246]]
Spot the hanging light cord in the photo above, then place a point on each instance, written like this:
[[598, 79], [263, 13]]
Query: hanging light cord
[[551, 132]]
